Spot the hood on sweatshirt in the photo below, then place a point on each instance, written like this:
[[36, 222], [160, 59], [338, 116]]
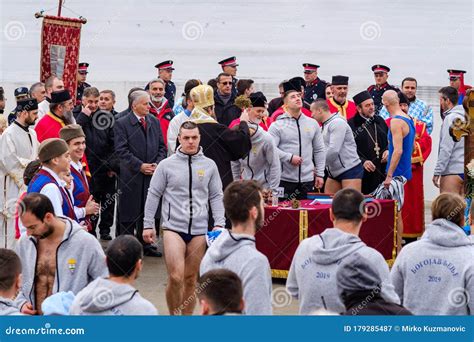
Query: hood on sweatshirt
[[335, 245], [105, 294], [8, 308], [445, 233], [227, 243]]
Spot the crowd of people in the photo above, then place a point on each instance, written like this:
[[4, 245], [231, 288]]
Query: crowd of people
[[198, 170]]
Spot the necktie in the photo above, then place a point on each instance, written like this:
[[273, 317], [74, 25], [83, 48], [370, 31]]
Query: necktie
[[143, 123]]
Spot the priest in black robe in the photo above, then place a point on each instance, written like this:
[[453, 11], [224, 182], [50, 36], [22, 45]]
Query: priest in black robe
[[371, 136]]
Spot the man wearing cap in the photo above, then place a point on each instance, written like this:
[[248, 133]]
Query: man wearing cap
[[225, 109], [370, 134], [413, 215], [59, 115], [417, 108], [81, 81], [140, 147], [376, 90], [219, 142], [84, 205], [20, 94], [339, 102], [18, 147], [456, 80], [55, 159], [315, 88], [262, 163], [51, 85], [300, 147], [293, 84], [159, 105], [165, 72], [98, 126], [229, 66]]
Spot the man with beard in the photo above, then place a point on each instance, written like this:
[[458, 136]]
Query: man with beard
[[339, 102], [315, 88], [60, 115], [381, 85], [98, 126], [52, 84], [57, 254], [160, 107], [370, 133], [18, 147], [235, 249], [165, 73]]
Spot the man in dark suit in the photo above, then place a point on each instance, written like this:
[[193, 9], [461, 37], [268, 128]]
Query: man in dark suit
[[139, 146], [225, 109]]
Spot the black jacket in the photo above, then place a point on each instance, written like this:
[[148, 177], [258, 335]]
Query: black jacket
[[226, 113], [367, 303]]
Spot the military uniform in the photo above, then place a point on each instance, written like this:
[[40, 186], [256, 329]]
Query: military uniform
[[170, 87], [232, 62], [316, 89], [82, 69], [20, 93], [377, 91]]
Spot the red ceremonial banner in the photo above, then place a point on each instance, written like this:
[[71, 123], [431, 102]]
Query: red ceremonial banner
[[60, 42]]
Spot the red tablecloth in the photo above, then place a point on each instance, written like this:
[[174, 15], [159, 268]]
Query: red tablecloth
[[285, 227]]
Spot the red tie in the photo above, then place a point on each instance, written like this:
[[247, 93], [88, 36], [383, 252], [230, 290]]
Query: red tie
[[143, 123]]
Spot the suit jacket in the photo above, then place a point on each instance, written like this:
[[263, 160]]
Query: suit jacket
[[134, 147]]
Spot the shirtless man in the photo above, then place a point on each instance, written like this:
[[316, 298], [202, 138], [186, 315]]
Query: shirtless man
[[57, 254]]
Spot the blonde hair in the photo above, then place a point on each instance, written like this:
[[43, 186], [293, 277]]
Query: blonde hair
[[449, 206]]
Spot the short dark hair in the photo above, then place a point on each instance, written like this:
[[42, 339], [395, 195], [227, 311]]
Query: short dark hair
[[243, 85], [239, 198], [222, 289], [449, 93], [409, 79], [90, 91], [31, 170], [123, 254], [321, 104], [348, 205], [448, 206], [188, 125], [108, 91], [36, 204], [10, 268], [222, 74]]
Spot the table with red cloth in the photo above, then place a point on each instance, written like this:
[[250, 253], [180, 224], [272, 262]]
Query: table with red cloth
[[285, 228]]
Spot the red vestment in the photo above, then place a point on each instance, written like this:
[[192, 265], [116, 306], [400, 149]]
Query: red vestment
[[347, 110]]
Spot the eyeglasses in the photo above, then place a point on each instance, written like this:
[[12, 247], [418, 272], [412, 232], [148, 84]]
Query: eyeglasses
[[226, 83]]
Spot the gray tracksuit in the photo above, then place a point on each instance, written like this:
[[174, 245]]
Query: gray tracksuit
[[312, 276], [435, 275], [237, 252], [106, 297], [262, 163], [79, 260], [450, 153], [301, 137], [187, 184], [341, 149], [8, 308]]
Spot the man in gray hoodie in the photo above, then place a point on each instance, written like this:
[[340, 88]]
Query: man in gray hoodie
[[235, 249], [342, 161], [10, 281], [57, 254], [187, 182], [262, 163], [300, 147], [435, 275], [312, 275], [449, 170], [116, 295]]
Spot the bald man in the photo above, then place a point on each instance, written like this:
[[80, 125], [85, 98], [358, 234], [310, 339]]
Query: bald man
[[401, 139]]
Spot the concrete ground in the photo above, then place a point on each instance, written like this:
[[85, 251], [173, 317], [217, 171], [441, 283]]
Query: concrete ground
[[152, 284]]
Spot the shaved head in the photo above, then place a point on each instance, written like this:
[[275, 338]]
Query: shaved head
[[390, 98]]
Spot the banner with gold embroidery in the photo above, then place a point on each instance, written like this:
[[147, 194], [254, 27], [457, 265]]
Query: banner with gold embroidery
[[60, 42]]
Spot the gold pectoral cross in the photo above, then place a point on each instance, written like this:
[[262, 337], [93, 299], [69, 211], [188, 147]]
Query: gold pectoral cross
[[377, 150]]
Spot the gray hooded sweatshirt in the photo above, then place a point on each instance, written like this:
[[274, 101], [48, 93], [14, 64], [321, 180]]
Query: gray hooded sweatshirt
[[80, 260], [262, 163], [237, 253], [341, 149], [187, 184], [299, 137], [312, 276], [8, 308], [435, 275], [450, 153], [106, 297]]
